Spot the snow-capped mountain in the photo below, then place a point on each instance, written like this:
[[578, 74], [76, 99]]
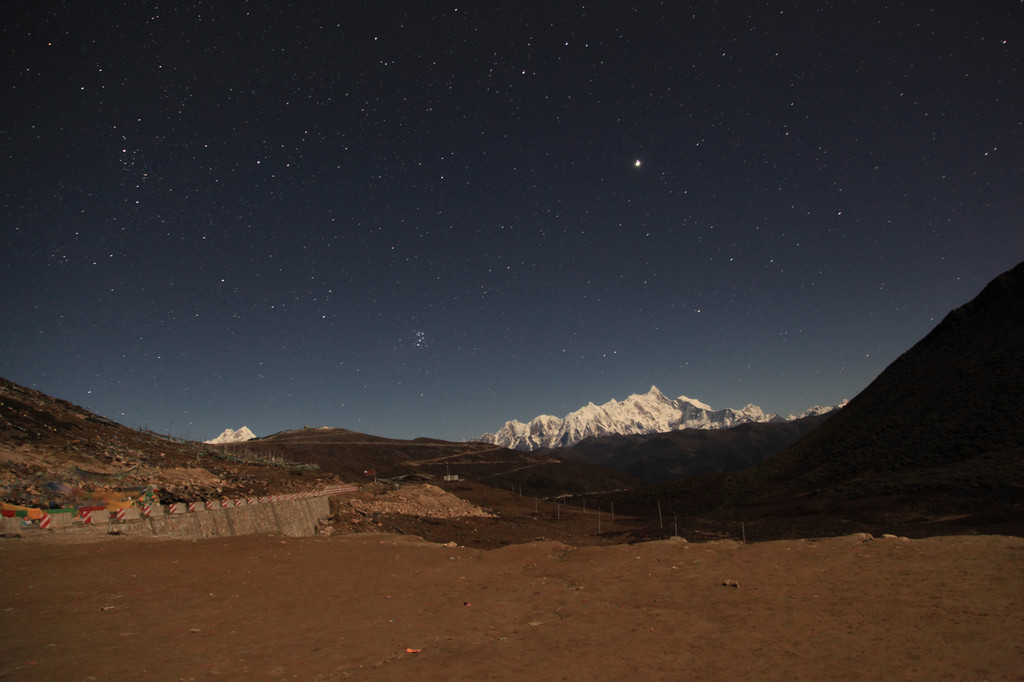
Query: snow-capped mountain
[[817, 410], [232, 436], [651, 412]]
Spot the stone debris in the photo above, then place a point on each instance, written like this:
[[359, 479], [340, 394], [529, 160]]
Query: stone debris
[[423, 500]]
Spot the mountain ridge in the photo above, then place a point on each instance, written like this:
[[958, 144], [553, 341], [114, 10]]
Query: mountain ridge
[[232, 436], [660, 457], [638, 414]]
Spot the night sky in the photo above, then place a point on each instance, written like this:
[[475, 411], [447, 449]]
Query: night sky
[[424, 219]]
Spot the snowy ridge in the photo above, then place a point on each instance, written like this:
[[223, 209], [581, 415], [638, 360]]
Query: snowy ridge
[[817, 410], [232, 436], [651, 412]]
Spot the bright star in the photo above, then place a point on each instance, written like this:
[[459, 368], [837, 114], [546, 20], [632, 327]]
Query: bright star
[[636, 163]]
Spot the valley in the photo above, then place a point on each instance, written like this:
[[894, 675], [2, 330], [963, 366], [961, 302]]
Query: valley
[[885, 538]]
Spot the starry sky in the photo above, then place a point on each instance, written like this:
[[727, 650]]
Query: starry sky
[[424, 219]]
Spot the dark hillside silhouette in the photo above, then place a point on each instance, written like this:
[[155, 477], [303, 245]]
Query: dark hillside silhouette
[[955, 396], [349, 454], [937, 438]]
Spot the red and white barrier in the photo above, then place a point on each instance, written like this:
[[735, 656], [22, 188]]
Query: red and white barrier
[[45, 521], [91, 515]]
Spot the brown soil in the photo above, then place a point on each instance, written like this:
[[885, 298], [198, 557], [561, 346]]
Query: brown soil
[[478, 516], [378, 605]]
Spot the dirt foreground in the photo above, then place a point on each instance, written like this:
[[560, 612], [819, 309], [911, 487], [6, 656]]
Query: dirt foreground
[[375, 607]]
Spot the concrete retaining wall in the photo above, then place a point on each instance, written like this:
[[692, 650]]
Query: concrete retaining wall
[[294, 517]]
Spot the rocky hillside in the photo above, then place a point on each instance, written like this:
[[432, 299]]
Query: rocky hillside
[[50, 447]]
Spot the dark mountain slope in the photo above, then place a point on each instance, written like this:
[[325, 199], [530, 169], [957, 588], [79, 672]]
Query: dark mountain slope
[[938, 435], [661, 457], [955, 396], [348, 454]]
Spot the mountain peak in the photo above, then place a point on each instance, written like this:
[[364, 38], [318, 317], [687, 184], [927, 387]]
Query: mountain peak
[[232, 436], [654, 394]]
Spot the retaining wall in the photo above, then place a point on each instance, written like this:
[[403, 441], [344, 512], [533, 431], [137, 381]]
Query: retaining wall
[[296, 517]]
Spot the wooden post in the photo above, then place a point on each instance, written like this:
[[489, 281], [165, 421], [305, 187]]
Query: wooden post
[[660, 522]]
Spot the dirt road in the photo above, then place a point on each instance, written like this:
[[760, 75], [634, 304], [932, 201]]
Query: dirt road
[[376, 607]]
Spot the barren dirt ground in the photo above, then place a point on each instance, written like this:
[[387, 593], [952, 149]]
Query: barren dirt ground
[[377, 606]]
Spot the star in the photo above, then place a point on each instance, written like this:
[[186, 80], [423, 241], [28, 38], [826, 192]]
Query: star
[[418, 239]]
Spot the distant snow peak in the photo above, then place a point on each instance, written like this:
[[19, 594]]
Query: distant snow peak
[[817, 411], [232, 436], [651, 412]]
